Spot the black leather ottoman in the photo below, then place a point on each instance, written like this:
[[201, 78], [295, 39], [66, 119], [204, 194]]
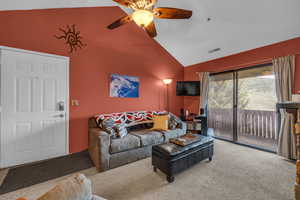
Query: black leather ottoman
[[172, 159]]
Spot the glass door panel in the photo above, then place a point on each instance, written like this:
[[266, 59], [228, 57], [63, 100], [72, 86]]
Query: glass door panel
[[256, 116], [221, 104]]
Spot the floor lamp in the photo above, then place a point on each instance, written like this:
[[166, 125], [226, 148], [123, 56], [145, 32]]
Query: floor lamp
[[167, 82]]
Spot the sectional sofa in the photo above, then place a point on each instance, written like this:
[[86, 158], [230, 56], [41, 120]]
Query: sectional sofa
[[109, 152]]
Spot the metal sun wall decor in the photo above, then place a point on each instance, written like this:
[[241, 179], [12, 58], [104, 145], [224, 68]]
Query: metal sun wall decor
[[72, 38]]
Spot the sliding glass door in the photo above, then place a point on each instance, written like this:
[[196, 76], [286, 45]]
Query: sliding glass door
[[221, 105], [241, 106], [256, 108]]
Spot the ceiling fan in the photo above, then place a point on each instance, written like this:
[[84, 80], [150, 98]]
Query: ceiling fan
[[144, 14]]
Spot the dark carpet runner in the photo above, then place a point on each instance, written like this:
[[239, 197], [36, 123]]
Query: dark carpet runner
[[31, 174]]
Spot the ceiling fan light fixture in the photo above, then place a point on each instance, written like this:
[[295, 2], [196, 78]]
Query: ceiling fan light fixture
[[142, 17], [144, 12]]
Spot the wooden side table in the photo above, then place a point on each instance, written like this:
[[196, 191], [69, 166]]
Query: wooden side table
[[198, 125], [194, 127]]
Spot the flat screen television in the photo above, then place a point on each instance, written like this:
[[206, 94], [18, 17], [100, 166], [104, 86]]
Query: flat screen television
[[188, 88]]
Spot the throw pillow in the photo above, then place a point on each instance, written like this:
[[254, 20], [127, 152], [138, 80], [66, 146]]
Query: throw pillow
[[121, 130], [160, 122], [77, 187], [174, 122], [107, 123], [111, 131], [108, 126]]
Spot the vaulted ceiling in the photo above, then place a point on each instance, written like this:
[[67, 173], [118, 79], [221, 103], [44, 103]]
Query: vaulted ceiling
[[234, 25]]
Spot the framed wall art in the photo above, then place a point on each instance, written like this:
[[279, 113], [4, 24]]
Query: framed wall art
[[122, 86]]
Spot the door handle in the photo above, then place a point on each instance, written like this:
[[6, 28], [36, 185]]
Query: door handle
[[61, 106], [60, 115]]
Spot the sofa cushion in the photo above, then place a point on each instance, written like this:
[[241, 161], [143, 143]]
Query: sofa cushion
[[124, 144], [139, 127], [173, 134], [170, 134], [149, 137], [180, 132]]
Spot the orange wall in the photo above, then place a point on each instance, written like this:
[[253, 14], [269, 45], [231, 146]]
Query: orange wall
[[127, 50], [244, 59]]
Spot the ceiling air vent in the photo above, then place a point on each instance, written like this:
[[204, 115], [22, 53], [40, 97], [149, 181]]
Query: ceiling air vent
[[214, 50]]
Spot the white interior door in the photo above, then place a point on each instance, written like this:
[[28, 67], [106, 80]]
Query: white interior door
[[34, 107]]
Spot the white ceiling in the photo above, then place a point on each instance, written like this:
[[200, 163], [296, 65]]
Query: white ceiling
[[235, 26]]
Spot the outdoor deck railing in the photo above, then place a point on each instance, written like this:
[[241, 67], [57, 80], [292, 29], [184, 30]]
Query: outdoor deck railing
[[255, 123]]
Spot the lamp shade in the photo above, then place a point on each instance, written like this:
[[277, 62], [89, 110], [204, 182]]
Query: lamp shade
[[142, 17], [167, 81]]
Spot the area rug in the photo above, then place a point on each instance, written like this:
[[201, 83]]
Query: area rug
[[32, 174]]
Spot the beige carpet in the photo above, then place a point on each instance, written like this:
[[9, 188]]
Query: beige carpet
[[236, 173]]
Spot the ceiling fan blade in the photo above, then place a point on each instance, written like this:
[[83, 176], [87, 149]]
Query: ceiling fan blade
[[120, 22], [172, 13], [123, 2], [151, 30]]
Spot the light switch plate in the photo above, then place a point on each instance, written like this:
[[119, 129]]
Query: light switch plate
[[75, 102]]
